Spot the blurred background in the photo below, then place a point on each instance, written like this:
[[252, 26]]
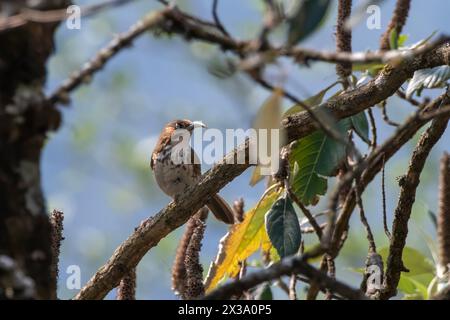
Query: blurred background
[[96, 167]]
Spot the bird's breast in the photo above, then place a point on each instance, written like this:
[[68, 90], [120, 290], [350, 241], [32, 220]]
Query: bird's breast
[[174, 178]]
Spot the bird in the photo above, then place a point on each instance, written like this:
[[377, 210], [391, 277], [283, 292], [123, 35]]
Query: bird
[[175, 172]]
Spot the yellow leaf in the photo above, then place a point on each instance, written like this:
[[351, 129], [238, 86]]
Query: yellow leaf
[[241, 242]]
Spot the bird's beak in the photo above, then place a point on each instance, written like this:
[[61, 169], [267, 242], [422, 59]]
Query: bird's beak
[[196, 124]]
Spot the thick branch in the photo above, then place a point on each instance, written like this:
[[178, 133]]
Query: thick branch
[[408, 183], [26, 118], [149, 233]]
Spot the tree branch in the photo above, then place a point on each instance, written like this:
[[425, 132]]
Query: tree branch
[[443, 224], [287, 266], [375, 163], [398, 21], [408, 186], [47, 16], [149, 233], [217, 20], [344, 39], [123, 40], [173, 20], [380, 88]]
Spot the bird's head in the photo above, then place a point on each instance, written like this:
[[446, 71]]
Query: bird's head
[[184, 125], [176, 131]]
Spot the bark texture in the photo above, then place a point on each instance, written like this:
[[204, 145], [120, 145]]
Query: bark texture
[[25, 119]]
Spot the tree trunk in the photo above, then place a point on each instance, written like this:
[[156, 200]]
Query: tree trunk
[[25, 119]]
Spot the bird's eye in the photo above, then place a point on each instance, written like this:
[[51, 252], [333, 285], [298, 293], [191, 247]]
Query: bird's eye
[[177, 126]]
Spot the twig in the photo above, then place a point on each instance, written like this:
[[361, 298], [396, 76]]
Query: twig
[[444, 216], [123, 40], [292, 287], [187, 16], [398, 21], [30, 15], [383, 196], [369, 234], [408, 186], [303, 54], [312, 221], [127, 286], [312, 230], [177, 21], [411, 100], [344, 40], [283, 286], [217, 19], [287, 266], [386, 117], [272, 18], [373, 129], [370, 94]]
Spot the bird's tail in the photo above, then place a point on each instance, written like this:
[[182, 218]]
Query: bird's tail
[[221, 209]]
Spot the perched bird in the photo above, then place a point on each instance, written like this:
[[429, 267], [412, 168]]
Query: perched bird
[[174, 173]]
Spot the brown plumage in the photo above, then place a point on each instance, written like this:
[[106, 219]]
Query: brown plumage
[[176, 171]]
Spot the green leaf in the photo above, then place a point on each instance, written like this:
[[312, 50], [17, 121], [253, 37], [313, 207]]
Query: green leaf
[[414, 261], [361, 126], [308, 16], [415, 286], [406, 286], [317, 155], [283, 227], [402, 40], [312, 101]]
